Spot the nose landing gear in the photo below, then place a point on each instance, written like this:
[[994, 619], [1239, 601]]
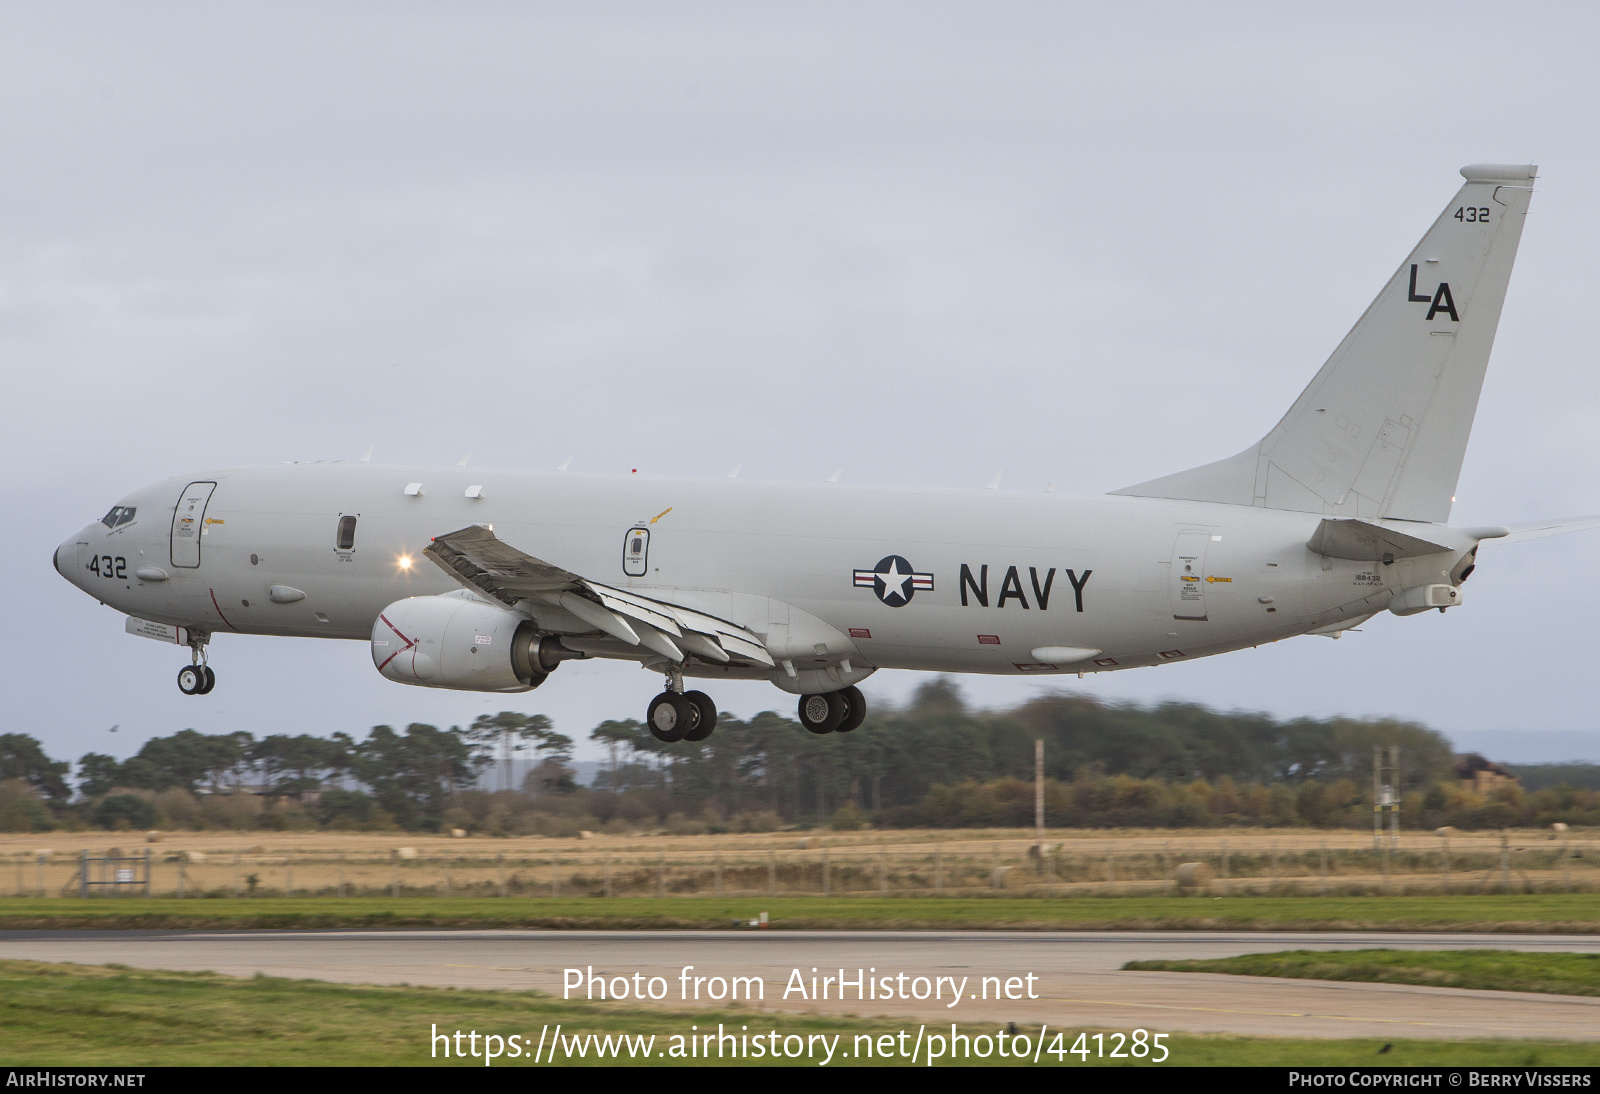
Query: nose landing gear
[[197, 678]]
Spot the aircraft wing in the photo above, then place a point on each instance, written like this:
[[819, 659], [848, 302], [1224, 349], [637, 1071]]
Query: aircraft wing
[[486, 564], [1538, 529]]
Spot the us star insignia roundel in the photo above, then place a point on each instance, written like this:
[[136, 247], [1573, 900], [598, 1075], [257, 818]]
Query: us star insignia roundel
[[894, 581]]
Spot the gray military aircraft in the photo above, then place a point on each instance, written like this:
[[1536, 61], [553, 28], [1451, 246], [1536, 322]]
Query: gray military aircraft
[[489, 580]]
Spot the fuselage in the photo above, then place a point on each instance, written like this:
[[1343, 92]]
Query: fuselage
[[998, 574]]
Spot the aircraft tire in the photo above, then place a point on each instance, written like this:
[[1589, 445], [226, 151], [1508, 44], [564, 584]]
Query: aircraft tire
[[856, 711], [708, 715], [191, 679], [670, 716], [822, 713], [211, 680]]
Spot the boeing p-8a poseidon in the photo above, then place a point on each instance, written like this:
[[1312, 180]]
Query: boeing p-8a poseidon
[[487, 581]]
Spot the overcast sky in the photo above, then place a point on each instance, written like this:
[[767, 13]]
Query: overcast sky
[[1090, 244]]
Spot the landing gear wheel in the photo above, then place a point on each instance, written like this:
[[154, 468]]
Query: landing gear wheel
[[856, 709], [822, 713], [708, 715], [191, 679], [671, 716], [211, 680]]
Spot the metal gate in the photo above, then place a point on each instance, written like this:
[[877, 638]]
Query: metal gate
[[113, 875]]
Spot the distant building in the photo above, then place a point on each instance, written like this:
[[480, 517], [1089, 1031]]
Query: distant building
[[1482, 775]]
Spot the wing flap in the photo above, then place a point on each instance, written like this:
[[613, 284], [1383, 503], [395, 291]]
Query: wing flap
[[636, 607], [596, 616], [747, 649], [486, 564], [701, 646]]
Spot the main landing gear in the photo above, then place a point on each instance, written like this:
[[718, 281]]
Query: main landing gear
[[678, 715], [836, 712], [197, 679]]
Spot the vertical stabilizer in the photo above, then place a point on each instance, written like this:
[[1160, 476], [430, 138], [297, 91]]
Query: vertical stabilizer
[[1382, 429]]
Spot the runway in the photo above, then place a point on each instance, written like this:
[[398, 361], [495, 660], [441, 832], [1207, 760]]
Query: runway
[[1076, 977]]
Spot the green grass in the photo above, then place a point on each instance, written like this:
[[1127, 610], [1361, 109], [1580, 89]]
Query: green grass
[[1559, 912], [1494, 970], [77, 1015]]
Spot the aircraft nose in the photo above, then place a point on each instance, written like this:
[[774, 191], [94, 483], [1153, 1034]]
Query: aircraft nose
[[67, 553]]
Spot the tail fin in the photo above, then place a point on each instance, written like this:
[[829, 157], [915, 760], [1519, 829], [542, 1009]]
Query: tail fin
[[1382, 429]]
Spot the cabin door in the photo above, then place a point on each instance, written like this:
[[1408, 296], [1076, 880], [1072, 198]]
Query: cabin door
[[189, 524], [1188, 575]]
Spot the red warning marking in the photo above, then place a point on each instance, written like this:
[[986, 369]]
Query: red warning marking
[[217, 606], [1105, 662], [860, 632], [408, 643], [988, 639], [1170, 655]]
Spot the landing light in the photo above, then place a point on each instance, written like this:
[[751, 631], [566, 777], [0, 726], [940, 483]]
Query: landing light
[[405, 562]]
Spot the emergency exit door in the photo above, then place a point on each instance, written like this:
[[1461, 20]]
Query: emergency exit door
[[1188, 575], [189, 522], [636, 552]]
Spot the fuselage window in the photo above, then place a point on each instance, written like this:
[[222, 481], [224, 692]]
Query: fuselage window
[[119, 515], [347, 534]]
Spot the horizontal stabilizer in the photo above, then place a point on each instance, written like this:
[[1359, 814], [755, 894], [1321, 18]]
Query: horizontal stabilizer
[[1538, 529], [1363, 541]]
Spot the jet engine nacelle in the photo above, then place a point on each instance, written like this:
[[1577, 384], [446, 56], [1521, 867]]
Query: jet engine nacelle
[[457, 642]]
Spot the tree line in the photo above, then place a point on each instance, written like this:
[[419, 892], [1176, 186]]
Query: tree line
[[933, 762]]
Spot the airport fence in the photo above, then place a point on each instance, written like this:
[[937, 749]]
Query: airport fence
[[1146, 866]]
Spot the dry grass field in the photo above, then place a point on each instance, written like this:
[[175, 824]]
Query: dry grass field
[[912, 862]]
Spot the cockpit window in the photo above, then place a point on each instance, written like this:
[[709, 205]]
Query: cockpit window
[[119, 515]]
